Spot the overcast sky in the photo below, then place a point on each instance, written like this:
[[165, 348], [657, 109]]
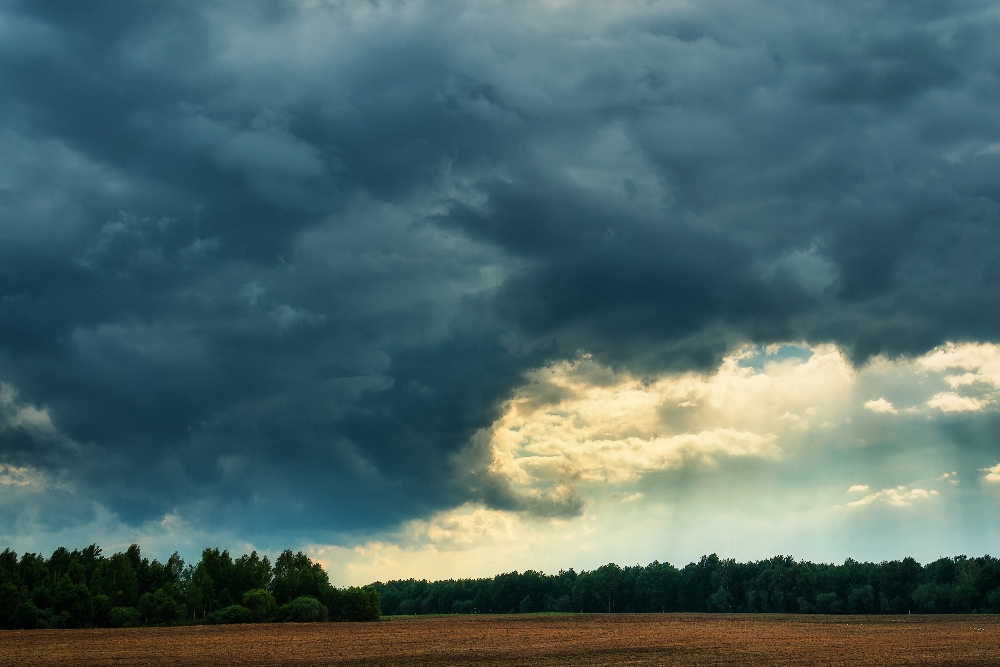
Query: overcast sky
[[443, 289]]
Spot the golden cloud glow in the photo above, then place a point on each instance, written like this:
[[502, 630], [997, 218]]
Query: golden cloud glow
[[580, 435], [993, 474], [577, 422], [898, 497]]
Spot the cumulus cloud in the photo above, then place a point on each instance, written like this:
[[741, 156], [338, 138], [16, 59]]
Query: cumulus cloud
[[993, 474]]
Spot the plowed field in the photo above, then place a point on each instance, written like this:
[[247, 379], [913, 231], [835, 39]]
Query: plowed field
[[641, 639]]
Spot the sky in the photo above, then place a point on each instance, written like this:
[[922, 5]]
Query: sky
[[447, 289]]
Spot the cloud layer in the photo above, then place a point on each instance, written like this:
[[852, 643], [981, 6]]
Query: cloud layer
[[281, 271]]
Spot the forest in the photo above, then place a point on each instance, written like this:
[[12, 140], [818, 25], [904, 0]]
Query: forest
[[778, 585], [84, 588]]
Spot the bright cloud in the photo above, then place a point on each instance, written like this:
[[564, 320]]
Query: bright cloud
[[980, 366], [993, 474], [898, 497], [582, 436], [880, 405], [948, 401], [981, 361], [578, 423]]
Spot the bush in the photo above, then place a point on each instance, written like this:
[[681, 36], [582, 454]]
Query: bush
[[303, 609], [234, 613], [123, 617], [28, 616], [362, 604], [260, 603]]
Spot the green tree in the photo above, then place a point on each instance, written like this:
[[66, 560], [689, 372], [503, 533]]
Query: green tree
[[304, 609], [296, 575], [861, 600], [362, 604], [261, 604], [721, 601], [73, 603], [201, 593], [160, 607]]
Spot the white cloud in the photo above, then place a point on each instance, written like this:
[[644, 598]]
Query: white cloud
[[981, 365], [980, 360], [880, 405], [898, 497], [858, 488], [948, 401], [993, 474]]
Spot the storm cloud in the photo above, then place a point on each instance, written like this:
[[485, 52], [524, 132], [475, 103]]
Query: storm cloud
[[277, 268]]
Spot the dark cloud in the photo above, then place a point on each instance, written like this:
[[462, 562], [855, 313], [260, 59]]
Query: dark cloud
[[273, 266]]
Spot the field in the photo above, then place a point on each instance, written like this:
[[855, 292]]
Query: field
[[640, 639]]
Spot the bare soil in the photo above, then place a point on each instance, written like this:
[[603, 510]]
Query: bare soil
[[627, 639]]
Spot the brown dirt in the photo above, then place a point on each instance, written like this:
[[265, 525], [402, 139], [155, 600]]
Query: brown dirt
[[639, 639]]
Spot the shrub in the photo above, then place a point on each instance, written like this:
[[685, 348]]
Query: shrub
[[303, 609], [234, 613], [123, 617], [260, 603], [362, 604], [28, 616]]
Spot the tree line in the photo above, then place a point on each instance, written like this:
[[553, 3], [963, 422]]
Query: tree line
[[713, 584], [84, 588]]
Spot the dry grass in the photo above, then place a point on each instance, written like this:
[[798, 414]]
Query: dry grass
[[640, 639]]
